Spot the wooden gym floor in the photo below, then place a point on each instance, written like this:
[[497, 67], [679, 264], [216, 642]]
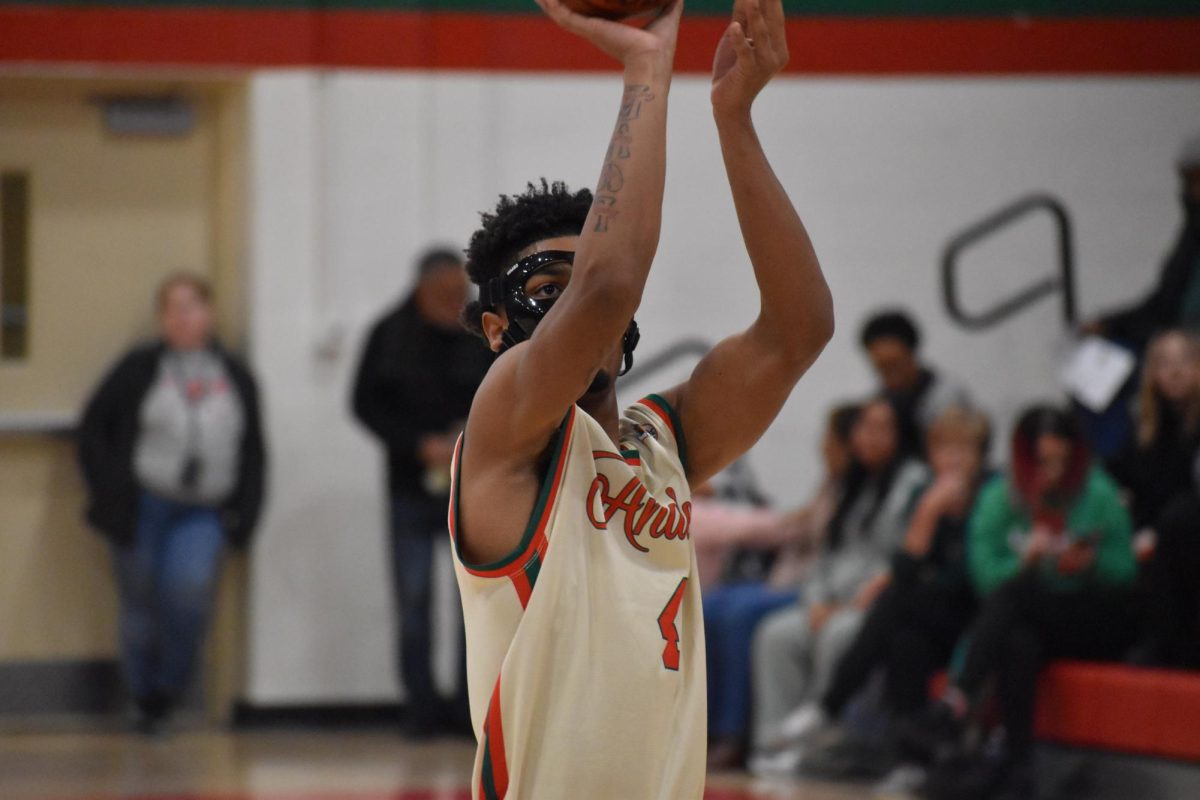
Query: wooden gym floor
[[294, 765]]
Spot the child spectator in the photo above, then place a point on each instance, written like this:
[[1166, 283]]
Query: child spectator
[[912, 628], [1049, 552]]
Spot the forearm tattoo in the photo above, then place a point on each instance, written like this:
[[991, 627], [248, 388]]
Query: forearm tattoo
[[612, 178]]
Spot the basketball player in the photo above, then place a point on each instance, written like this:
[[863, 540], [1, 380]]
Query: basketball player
[[569, 517]]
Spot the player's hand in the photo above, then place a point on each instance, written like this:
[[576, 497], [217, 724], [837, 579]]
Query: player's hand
[[753, 49], [652, 45]]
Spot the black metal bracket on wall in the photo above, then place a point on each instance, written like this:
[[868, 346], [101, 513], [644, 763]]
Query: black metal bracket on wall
[[1063, 281]]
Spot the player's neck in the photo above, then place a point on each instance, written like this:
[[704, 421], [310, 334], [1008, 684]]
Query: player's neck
[[602, 407]]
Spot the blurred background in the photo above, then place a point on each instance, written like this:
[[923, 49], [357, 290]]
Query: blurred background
[[947, 157]]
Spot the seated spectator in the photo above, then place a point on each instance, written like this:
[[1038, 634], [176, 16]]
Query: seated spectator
[[1175, 302], [1172, 589], [892, 341], [1155, 465], [172, 453], [912, 628], [732, 612], [796, 648], [1049, 554]]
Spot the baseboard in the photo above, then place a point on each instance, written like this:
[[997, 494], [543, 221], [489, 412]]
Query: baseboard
[[91, 686]]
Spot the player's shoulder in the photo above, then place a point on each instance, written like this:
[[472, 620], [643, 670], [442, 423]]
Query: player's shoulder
[[654, 418]]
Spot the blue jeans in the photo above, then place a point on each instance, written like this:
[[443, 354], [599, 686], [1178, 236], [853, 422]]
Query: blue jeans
[[731, 613], [417, 523], [166, 578]]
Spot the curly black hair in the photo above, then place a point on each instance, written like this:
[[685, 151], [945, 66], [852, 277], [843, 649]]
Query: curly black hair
[[542, 211]]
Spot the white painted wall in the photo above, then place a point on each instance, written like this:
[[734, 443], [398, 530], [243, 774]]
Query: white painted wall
[[353, 172]]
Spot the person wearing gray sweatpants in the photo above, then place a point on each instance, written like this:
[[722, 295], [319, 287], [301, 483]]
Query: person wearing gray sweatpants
[[797, 649]]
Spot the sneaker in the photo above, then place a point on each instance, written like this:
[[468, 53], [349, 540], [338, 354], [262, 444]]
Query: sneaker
[[800, 726], [1017, 782], [781, 764], [931, 735], [726, 753], [903, 780], [151, 712]]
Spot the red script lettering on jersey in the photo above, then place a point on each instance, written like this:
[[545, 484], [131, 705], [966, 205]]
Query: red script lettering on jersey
[[642, 512]]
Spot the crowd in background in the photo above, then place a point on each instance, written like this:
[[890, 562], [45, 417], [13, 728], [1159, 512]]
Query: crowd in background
[[825, 624], [916, 560]]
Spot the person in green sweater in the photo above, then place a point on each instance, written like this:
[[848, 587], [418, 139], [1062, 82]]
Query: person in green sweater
[[1049, 552]]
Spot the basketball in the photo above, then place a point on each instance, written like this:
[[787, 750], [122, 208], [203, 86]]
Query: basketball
[[614, 9]]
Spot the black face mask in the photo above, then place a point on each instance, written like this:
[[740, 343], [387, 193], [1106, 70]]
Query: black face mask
[[525, 312]]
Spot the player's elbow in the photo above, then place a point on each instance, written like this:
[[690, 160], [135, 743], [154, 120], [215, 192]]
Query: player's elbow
[[801, 339]]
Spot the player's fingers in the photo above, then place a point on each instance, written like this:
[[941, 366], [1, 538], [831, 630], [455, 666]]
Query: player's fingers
[[759, 34], [565, 17], [668, 16], [777, 24], [741, 45], [741, 12]]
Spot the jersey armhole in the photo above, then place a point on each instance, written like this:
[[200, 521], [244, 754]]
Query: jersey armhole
[[534, 539], [665, 412]]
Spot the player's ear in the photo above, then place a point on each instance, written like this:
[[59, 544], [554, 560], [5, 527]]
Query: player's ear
[[494, 325]]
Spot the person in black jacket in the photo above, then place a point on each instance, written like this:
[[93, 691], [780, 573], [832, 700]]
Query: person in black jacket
[[171, 449], [1155, 464], [418, 374], [1175, 302]]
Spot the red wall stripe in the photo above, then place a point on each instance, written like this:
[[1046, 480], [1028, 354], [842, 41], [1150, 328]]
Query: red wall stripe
[[820, 45]]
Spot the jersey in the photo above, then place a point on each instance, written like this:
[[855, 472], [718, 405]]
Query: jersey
[[585, 647]]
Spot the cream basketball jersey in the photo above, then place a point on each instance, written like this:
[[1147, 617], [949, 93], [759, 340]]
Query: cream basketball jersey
[[585, 650]]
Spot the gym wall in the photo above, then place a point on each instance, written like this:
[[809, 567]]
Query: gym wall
[[371, 133]]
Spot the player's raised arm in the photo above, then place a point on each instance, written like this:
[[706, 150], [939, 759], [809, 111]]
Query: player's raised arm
[[737, 389], [612, 257], [590, 281]]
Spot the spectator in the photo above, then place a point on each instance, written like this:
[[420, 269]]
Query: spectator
[[416, 379], [172, 453], [1173, 592], [1049, 552], [892, 341], [732, 613], [912, 628], [1175, 302], [796, 649], [1155, 465]]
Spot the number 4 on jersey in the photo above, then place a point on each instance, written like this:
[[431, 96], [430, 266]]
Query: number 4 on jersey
[[666, 625]]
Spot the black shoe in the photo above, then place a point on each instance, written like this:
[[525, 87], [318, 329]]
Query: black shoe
[[962, 777], [153, 710], [931, 735], [1017, 782]]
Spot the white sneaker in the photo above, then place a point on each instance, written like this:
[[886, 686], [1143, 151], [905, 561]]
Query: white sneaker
[[903, 781], [783, 763], [803, 724]]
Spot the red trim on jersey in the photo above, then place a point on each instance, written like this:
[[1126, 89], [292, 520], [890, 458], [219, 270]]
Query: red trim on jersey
[[662, 414], [538, 542], [493, 729], [520, 582]]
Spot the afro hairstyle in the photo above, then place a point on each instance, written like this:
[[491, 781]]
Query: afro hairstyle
[[543, 211]]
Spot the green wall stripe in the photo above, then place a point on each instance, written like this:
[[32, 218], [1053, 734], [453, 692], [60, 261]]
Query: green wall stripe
[[795, 8]]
